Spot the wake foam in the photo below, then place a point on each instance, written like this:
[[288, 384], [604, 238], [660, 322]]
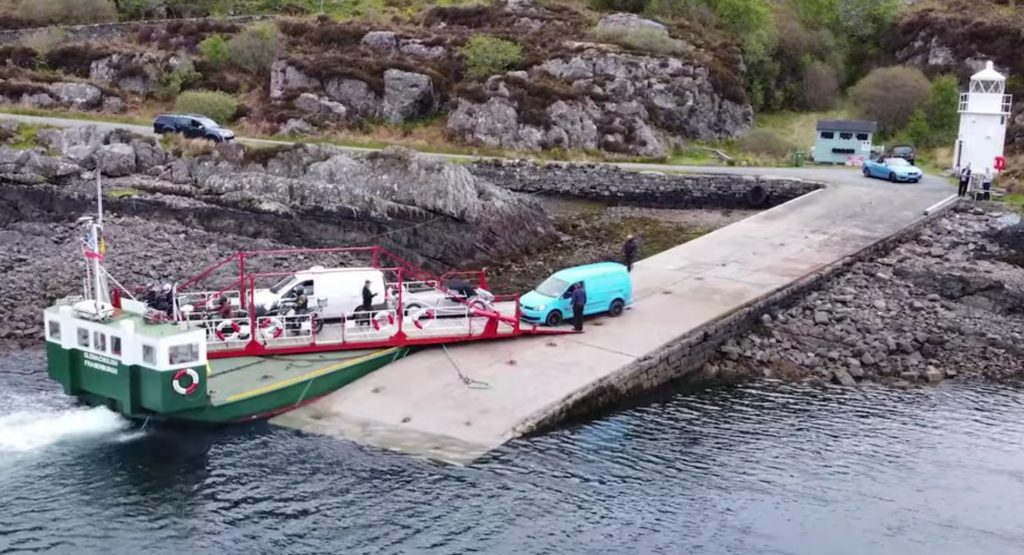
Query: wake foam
[[31, 430]]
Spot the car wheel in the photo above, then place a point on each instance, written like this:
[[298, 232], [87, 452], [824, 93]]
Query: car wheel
[[867, 172], [554, 318], [892, 177], [616, 308]]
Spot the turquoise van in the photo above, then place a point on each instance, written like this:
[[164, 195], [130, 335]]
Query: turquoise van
[[608, 286]]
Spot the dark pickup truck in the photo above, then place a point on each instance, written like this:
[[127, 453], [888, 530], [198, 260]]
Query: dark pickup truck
[[193, 126]]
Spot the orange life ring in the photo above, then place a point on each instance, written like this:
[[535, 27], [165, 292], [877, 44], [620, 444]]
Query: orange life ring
[[271, 328]]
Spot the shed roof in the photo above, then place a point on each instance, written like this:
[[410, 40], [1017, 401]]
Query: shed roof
[[856, 126]]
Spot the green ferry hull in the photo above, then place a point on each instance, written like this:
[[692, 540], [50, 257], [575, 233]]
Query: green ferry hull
[[229, 390]]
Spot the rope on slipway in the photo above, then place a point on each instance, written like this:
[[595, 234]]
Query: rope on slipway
[[469, 382]]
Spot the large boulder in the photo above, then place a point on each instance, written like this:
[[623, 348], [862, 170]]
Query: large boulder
[[116, 160], [79, 96], [385, 42], [408, 96], [629, 22], [286, 77], [61, 140], [355, 95], [320, 108]]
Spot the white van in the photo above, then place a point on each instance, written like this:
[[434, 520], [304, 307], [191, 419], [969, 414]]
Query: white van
[[336, 291]]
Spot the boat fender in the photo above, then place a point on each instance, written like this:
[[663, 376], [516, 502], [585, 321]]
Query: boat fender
[[271, 328], [383, 320], [227, 329], [194, 381], [422, 318]]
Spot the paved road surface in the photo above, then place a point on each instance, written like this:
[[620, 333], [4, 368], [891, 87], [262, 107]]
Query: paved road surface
[[850, 176]]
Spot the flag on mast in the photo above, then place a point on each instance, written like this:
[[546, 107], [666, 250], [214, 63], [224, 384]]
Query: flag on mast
[[92, 245]]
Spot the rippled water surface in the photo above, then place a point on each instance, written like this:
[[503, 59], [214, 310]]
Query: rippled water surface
[[764, 468]]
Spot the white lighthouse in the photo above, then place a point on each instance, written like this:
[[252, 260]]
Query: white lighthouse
[[984, 111]]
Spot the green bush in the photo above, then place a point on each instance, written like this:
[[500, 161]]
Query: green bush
[[255, 49], [486, 55], [943, 110], [890, 95], [220, 106], [171, 83], [647, 39], [765, 142], [215, 50], [820, 87]]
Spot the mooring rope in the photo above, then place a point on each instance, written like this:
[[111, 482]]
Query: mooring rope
[[469, 382]]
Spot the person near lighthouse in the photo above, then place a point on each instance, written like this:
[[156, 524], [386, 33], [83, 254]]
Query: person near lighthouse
[[965, 180]]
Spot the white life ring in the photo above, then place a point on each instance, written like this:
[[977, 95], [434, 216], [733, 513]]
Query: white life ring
[[271, 328], [383, 320], [422, 317], [228, 330], [193, 384]]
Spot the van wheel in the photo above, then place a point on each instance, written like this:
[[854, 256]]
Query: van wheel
[[554, 318], [410, 308], [616, 308]]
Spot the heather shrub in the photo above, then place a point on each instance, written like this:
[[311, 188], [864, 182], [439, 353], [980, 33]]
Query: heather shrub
[[219, 106], [486, 55]]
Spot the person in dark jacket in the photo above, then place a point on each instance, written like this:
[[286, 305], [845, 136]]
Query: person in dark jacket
[[629, 251], [367, 305], [579, 301], [965, 181]]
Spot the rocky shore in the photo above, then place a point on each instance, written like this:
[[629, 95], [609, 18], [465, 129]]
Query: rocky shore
[[949, 303]]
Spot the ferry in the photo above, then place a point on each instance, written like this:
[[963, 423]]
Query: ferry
[[233, 344]]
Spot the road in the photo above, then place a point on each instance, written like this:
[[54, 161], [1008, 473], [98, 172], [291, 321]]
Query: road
[[834, 175]]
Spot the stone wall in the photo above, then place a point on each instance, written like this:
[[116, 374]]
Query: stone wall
[[682, 359], [611, 184], [102, 32]]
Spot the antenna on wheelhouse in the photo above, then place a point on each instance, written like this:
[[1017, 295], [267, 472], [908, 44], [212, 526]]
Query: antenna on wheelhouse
[[96, 304]]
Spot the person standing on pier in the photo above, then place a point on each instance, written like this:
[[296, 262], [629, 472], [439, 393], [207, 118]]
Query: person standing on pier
[[629, 251], [579, 301], [965, 180]]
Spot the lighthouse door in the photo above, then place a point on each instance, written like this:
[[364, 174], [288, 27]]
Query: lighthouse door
[[959, 153]]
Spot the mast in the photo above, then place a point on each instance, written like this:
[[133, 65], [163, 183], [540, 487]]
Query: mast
[[97, 229]]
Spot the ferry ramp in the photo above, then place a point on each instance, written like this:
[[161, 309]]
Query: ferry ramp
[[421, 405]]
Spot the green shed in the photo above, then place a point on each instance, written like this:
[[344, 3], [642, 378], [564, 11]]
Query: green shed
[[843, 141]]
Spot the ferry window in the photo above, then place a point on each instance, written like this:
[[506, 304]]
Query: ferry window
[[115, 345], [148, 354], [862, 136], [181, 354], [83, 337], [54, 330], [99, 341], [846, 136], [827, 135]]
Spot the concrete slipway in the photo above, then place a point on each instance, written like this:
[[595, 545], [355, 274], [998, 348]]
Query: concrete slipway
[[420, 406]]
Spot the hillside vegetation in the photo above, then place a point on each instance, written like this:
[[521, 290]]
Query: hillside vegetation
[[900, 63]]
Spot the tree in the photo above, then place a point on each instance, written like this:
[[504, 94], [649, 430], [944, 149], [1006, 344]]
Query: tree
[[215, 50], [943, 110], [890, 95], [255, 49], [918, 130], [820, 87]]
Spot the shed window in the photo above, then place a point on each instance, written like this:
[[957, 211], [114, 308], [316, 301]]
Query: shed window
[[55, 330], [148, 354], [846, 136], [115, 345], [83, 338], [99, 341], [862, 136], [181, 354], [827, 135]]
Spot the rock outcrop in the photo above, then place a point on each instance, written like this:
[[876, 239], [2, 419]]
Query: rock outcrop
[[70, 94], [440, 213], [599, 99]]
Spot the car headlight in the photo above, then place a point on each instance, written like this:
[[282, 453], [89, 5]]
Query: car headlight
[[540, 308]]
